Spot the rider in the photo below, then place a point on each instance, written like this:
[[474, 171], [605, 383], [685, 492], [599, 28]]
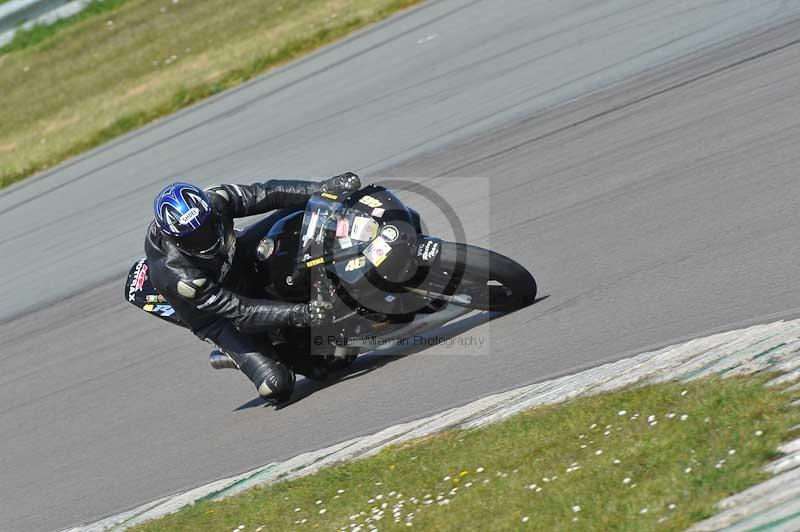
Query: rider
[[200, 266]]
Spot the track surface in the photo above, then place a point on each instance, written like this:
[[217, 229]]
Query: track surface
[[660, 207]]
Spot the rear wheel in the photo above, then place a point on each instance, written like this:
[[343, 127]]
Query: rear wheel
[[491, 280]]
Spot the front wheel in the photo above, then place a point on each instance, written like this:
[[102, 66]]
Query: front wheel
[[492, 281]]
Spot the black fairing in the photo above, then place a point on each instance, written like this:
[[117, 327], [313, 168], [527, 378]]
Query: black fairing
[[283, 261]]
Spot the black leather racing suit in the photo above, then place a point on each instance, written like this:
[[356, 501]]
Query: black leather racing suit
[[217, 298]]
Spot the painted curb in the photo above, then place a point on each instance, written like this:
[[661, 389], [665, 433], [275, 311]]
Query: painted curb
[[769, 347], [25, 13]]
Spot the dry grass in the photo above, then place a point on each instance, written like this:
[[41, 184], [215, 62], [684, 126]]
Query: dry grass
[[107, 74]]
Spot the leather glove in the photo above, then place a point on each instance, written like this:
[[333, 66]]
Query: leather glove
[[346, 183], [314, 314]]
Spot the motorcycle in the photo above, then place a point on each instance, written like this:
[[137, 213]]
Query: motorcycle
[[367, 256]]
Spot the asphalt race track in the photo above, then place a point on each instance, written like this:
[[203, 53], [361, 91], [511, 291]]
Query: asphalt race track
[[640, 157]]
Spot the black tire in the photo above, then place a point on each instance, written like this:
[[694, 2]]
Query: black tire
[[493, 281]]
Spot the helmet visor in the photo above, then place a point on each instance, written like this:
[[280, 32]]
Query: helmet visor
[[206, 240]]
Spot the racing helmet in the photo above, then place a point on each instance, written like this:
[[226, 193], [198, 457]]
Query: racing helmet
[[184, 215]]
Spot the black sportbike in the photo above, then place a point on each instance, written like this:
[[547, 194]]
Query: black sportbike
[[367, 256]]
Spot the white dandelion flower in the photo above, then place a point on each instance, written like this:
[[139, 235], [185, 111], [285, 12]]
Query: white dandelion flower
[[622, 412], [626, 480], [525, 519], [576, 508], [479, 470], [684, 417]]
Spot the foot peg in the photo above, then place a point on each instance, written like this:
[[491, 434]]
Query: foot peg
[[220, 360]]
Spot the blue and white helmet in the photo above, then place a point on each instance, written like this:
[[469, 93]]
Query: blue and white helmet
[[183, 213]]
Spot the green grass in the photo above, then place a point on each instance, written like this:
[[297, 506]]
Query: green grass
[[40, 32], [563, 467], [124, 63]]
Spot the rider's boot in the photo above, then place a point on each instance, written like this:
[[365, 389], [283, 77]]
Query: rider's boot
[[273, 380]]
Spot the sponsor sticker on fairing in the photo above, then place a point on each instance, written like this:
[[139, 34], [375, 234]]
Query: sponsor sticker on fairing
[[364, 229], [342, 227], [377, 251], [378, 212], [345, 242], [369, 201], [355, 264], [428, 250]]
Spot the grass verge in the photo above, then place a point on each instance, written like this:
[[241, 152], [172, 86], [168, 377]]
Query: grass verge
[[656, 457], [28, 38], [109, 72]]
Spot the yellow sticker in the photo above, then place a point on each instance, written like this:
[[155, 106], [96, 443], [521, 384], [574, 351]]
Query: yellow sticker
[[369, 201], [148, 308], [355, 264], [329, 195], [377, 251], [315, 262]]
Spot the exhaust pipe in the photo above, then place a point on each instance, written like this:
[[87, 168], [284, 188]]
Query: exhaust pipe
[[220, 360]]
